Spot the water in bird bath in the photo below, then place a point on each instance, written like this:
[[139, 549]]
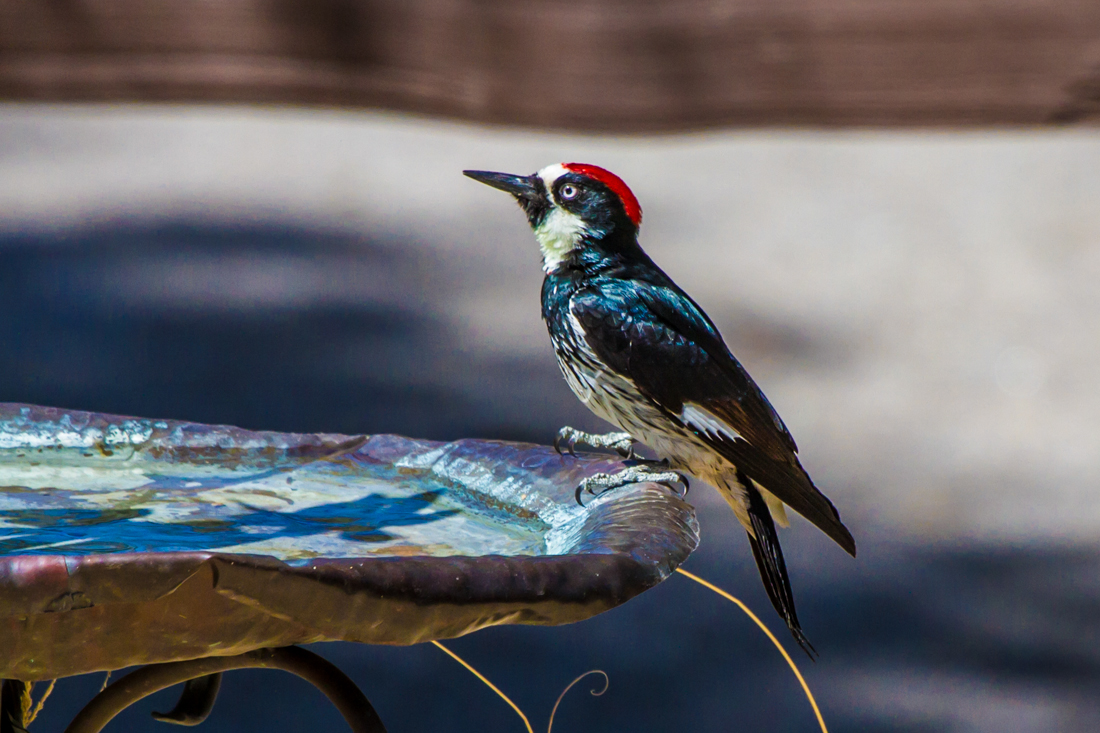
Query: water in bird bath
[[77, 483]]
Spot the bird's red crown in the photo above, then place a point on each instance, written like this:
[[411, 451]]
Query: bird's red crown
[[618, 187]]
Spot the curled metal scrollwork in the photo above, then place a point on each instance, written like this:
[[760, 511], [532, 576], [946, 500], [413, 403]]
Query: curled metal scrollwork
[[198, 699]]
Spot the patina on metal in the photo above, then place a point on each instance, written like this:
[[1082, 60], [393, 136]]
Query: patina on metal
[[166, 540]]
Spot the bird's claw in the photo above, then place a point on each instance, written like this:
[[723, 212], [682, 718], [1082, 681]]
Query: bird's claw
[[666, 476], [670, 479], [565, 435], [683, 480], [621, 443], [605, 482]]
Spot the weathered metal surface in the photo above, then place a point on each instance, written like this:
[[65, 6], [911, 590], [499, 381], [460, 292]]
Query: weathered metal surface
[[126, 541]]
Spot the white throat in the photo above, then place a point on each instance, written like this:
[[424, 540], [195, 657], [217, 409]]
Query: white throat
[[558, 235], [560, 231]]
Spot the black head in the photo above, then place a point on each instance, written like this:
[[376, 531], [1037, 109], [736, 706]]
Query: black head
[[572, 207]]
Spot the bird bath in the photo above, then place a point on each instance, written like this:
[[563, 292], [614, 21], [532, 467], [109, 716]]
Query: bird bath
[[165, 541]]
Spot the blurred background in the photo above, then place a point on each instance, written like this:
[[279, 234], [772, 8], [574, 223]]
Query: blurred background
[[892, 214]]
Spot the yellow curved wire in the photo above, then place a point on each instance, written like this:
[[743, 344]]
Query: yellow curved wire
[[491, 686], [750, 614], [606, 684]]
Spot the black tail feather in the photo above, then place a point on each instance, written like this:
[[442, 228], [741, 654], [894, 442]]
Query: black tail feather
[[773, 571]]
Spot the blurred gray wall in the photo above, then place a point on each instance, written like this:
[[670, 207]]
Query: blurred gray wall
[[922, 308]]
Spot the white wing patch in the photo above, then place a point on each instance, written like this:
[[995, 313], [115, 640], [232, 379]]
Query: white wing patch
[[580, 336], [700, 418]]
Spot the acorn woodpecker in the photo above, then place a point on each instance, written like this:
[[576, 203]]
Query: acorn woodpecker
[[643, 356]]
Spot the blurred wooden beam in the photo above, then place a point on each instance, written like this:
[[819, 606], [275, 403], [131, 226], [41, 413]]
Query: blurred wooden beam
[[622, 65]]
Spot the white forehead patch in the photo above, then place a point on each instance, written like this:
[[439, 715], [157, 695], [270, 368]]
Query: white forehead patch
[[551, 173], [561, 230], [699, 418]]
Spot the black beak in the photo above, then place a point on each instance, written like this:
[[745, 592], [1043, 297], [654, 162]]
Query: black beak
[[522, 187]]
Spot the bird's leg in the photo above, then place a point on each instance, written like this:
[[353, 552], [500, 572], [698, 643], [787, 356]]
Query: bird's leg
[[600, 483], [622, 443]]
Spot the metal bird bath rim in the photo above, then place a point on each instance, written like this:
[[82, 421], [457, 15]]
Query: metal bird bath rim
[[172, 540]]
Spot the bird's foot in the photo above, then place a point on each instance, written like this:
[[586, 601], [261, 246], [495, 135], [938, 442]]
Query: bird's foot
[[600, 483], [622, 443]]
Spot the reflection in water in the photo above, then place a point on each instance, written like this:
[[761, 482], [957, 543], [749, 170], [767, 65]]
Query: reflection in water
[[86, 531]]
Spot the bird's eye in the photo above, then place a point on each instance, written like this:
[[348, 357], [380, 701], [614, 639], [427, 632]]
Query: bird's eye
[[568, 192]]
